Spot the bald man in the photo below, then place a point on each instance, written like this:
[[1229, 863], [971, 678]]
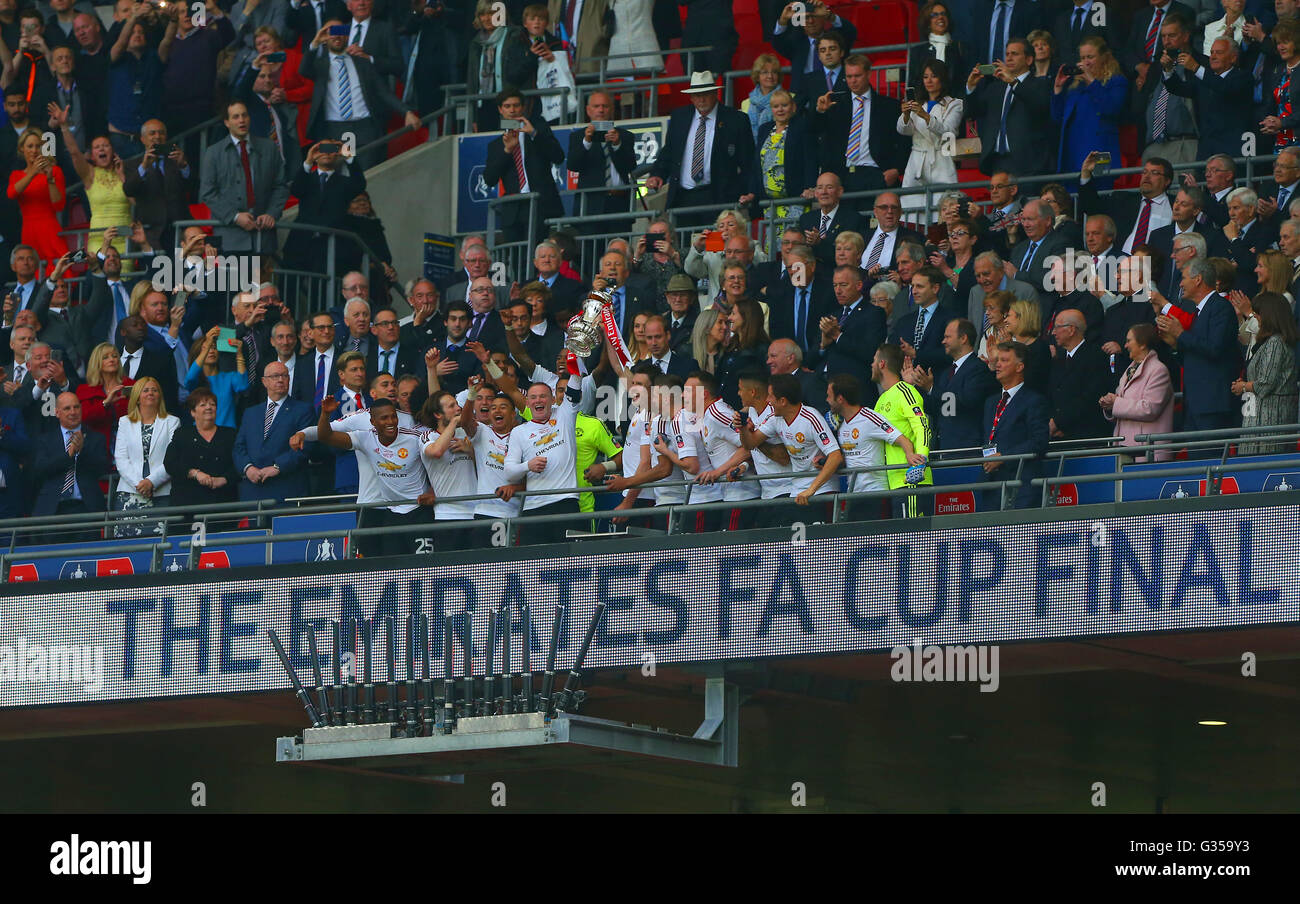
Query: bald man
[[161, 181], [1080, 375], [66, 464]]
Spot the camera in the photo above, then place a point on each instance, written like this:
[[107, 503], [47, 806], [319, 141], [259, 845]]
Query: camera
[[330, 147], [1070, 70], [277, 56], [77, 257], [163, 150], [658, 244], [602, 126], [911, 95], [338, 31], [987, 69]]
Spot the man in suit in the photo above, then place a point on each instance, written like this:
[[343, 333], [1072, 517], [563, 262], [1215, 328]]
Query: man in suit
[[1071, 291], [770, 275], [829, 219], [1143, 47], [785, 357], [70, 328], [1001, 21], [425, 327], [1210, 353], [566, 293], [955, 393], [1163, 105], [881, 252], [478, 264], [314, 376], [1099, 243], [1080, 375], [521, 160], [44, 377], [271, 469], [920, 333], [807, 87], [1221, 96], [66, 464], [307, 17], [244, 184], [388, 354], [661, 355], [628, 300], [849, 341], [1030, 258], [709, 156], [375, 40], [1220, 180], [456, 364], [485, 324], [1247, 236], [857, 134], [139, 361], [991, 276], [1276, 195], [1015, 423], [324, 185], [161, 186], [1009, 109], [1082, 19], [13, 450], [909, 258], [683, 309], [796, 307], [798, 43], [350, 93], [602, 160], [276, 120], [355, 336]]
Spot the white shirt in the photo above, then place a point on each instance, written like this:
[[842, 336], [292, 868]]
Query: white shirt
[[131, 361], [957, 364], [886, 241], [392, 359], [490, 450], [807, 435], [710, 126], [668, 429], [862, 437], [637, 431], [721, 440], [360, 420], [553, 439], [612, 176], [451, 475], [279, 406], [769, 488], [1200, 305], [1161, 215], [333, 113], [398, 474], [864, 142], [690, 442]]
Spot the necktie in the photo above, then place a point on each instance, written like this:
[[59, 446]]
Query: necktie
[[119, 302], [272, 121], [318, 9], [844, 315], [70, 478], [384, 366], [920, 328], [1283, 195], [478, 325], [1029, 256], [618, 305], [801, 317], [361, 406], [356, 35], [345, 88], [324, 180], [830, 81], [999, 32], [952, 372], [20, 373], [320, 380], [1144, 221], [128, 364], [855, 130], [697, 153], [661, 364], [1160, 114], [1077, 27], [518, 154], [270, 416], [874, 257], [250, 353], [1152, 33], [997, 415], [826, 222], [1004, 147], [248, 176], [354, 344]]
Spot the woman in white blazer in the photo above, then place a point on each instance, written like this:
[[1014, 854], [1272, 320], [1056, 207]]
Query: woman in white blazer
[[634, 32], [143, 436], [933, 123]]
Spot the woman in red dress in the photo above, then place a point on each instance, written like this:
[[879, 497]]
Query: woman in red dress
[[105, 393], [39, 191]]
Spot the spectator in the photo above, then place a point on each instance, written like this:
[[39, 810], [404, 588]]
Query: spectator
[[633, 33], [1230, 26], [247, 16], [833, 122], [1011, 140], [324, 185], [919, 333], [1063, 223], [1015, 423], [66, 93], [1281, 121], [712, 168], [1089, 111], [31, 68], [933, 124], [305, 343], [735, 286], [1079, 374], [604, 160], [799, 44], [1247, 234], [958, 266], [69, 328], [849, 246], [521, 159], [733, 226], [628, 298], [766, 75], [161, 184], [102, 174], [362, 220], [387, 354], [849, 340], [822, 225], [135, 77], [1023, 321], [66, 464], [200, 457], [1168, 115], [543, 340], [800, 304], [270, 116], [499, 57], [249, 211], [435, 53], [745, 350], [657, 256], [658, 352], [1269, 393], [882, 295], [956, 393], [39, 190], [270, 468], [709, 338], [1143, 401], [637, 347], [105, 394], [881, 253], [831, 51], [1277, 195], [91, 65], [1125, 312], [1222, 98], [140, 361], [1208, 349], [189, 56], [937, 43], [226, 385], [1044, 64], [143, 436], [454, 363], [314, 373]]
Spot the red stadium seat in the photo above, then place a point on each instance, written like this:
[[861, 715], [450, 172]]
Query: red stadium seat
[[880, 22]]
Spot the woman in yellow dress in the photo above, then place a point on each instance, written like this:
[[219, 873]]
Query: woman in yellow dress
[[100, 172]]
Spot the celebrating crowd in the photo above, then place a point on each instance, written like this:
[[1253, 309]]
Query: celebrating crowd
[[883, 331]]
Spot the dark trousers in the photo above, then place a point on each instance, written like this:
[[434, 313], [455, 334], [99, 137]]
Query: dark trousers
[[695, 197], [363, 132], [553, 531], [66, 507], [862, 178], [600, 203], [912, 506], [396, 543], [866, 509], [1192, 420], [454, 539]]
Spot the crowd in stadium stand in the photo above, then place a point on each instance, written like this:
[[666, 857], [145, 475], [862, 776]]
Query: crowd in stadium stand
[[886, 329]]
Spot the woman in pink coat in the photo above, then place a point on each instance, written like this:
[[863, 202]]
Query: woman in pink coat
[[1143, 401]]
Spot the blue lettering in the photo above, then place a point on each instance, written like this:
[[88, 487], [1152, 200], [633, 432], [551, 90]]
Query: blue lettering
[[298, 626], [230, 629], [860, 557], [972, 584], [1045, 574], [612, 582], [439, 588], [936, 613], [131, 608], [797, 605], [727, 593], [1246, 595], [1124, 565], [666, 600], [171, 633], [564, 580], [1191, 576]]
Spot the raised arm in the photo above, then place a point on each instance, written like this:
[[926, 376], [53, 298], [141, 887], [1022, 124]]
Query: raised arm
[[325, 433]]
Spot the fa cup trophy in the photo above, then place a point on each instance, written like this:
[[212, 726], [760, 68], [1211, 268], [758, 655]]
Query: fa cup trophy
[[586, 330]]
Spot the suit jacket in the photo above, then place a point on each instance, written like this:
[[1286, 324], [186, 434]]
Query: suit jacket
[[781, 300], [410, 360], [541, 152], [14, 444], [50, 462], [680, 363], [905, 234], [733, 167], [1115, 325], [1031, 108], [1162, 240], [975, 301], [958, 58], [381, 43], [460, 290], [1224, 109], [1023, 428], [319, 205], [128, 454], [161, 198], [963, 392], [860, 335], [1034, 271], [1134, 49], [639, 295], [1083, 302], [1243, 250], [467, 365], [259, 114], [1122, 208], [75, 330], [567, 294], [1025, 17], [1211, 358], [252, 448], [1076, 384], [800, 156], [303, 19], [807, 87], [929, 353], [380, 100], [1271, 189], [846, 220], [1144, 403], [1216, 211], [304, 378], [592, 168], [222, 189], [795, 45], [162, 367], [1067, 39], [889, 149]]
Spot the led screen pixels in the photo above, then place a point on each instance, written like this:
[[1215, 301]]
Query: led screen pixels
[[1184, 571]]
